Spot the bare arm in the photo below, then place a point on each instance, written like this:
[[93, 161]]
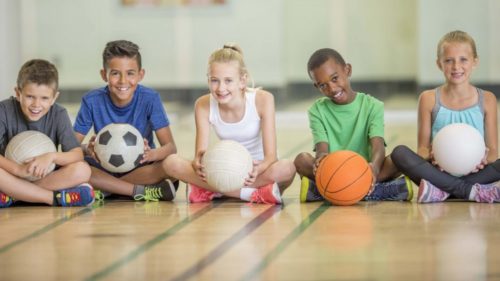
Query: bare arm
[[491, 126], [265, 107], [378, 154], [201, 114], [425, 104]]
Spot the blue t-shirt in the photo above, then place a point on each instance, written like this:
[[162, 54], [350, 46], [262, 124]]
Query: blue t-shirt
[[145, 112]]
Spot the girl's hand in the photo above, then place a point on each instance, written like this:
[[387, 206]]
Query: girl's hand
[[252, 176], [198, 167], [40, 166], [483, 162], [149, 154], [433, 161], [22, 171]]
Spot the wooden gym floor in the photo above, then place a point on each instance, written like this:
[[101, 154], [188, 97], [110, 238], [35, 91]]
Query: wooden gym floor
[[231, 240]]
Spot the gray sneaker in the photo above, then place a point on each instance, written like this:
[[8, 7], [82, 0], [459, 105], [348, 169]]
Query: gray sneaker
[[163, 190], [399, 189], [308, 191]]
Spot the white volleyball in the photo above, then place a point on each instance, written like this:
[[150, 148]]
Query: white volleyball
[[119, 147], [29, 144], [458, 148], [227, 165]]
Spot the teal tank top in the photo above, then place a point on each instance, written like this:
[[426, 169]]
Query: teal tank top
[[473, 115]]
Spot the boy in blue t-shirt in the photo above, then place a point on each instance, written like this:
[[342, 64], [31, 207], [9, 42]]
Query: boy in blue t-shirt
[[123, 100]]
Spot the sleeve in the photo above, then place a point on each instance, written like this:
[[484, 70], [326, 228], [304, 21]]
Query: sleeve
[[376, 120], [65, 136], [158, 117], [84, 120], [317, 125]]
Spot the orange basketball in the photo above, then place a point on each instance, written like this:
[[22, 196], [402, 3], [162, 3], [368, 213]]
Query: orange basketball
[[343, 177]]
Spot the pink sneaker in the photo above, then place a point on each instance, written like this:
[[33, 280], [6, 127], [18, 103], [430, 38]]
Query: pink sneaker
[[486, 193], [428, 193], [267, 194], [198, 194]]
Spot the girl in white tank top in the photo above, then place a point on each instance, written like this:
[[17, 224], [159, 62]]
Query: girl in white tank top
[[241, 114]]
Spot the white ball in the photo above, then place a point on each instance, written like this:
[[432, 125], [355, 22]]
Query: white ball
[[29, 144], [227, 165], [119, 147], [458, 148]]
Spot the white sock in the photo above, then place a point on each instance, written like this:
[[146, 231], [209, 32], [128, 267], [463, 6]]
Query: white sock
[[246, 193], [472, 195]]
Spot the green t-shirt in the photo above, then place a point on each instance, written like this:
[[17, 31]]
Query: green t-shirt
[[349, 126]]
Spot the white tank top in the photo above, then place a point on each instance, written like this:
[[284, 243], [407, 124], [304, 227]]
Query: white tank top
[[246, 131]]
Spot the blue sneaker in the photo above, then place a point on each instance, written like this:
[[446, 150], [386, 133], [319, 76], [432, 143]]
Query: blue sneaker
[[308, 191], [399, 189], [78, 196], [5, 200]]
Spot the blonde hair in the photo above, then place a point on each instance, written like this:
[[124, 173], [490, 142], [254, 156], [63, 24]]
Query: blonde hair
[[457, 36], [230, 52]]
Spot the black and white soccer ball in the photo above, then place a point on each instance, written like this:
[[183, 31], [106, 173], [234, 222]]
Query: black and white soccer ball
[[119, 147]]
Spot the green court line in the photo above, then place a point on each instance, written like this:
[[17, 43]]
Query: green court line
[[296, 232], [47, 228], [149, 244]]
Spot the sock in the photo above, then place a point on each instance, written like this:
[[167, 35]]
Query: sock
[[472, 194], [246, 193], [57, 199], [138, 189]]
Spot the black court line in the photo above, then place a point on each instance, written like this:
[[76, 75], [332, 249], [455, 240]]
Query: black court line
[[47, 228], [296, 232], [157, 239], [229, 243]]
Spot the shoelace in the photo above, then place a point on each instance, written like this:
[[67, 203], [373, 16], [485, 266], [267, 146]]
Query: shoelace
[[98, 196], [258, 198], [150, 194], [386, 192], [488, 194]]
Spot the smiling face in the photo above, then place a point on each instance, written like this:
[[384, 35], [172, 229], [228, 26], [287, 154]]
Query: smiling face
[[225, 81], [122, 74], [332, 80], [456, 60], [35, 100]]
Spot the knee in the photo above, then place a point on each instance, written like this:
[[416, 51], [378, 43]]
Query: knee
[[172, 165], [300, 161], [81, 171], [398, 153]]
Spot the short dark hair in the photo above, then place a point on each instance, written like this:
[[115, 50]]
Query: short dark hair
[[321, 56], [121, 48], [40, 72]]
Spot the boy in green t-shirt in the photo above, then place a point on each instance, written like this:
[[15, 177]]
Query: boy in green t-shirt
[[346, 120]]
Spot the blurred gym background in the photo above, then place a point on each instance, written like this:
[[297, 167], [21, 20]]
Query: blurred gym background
[[390, 43]]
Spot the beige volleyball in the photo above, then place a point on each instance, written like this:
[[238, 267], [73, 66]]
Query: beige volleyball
[[29, 144], [227, 165]]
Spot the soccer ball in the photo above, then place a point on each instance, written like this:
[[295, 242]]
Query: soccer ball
[[119, 147]]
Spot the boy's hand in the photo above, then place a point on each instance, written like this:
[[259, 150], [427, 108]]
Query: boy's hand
[[90, 149], [252, 176], [317, 161], [375, 172], [149, 154], [198, 167], [22, 171], [40, 166]]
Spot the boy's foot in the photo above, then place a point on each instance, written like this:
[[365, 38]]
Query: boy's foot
[[485, 193], [198, 194], [308, 191], [78, 196], [5, 200], [428, 193], [399, 189], [267, 194], [161, 191]]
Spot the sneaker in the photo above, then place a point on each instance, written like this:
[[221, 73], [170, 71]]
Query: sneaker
[[308, 191], [5, 200], [485, 193], [163, 190], [198, 194], [399, 189], [267, 194], [78, 196], [428, 193]]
